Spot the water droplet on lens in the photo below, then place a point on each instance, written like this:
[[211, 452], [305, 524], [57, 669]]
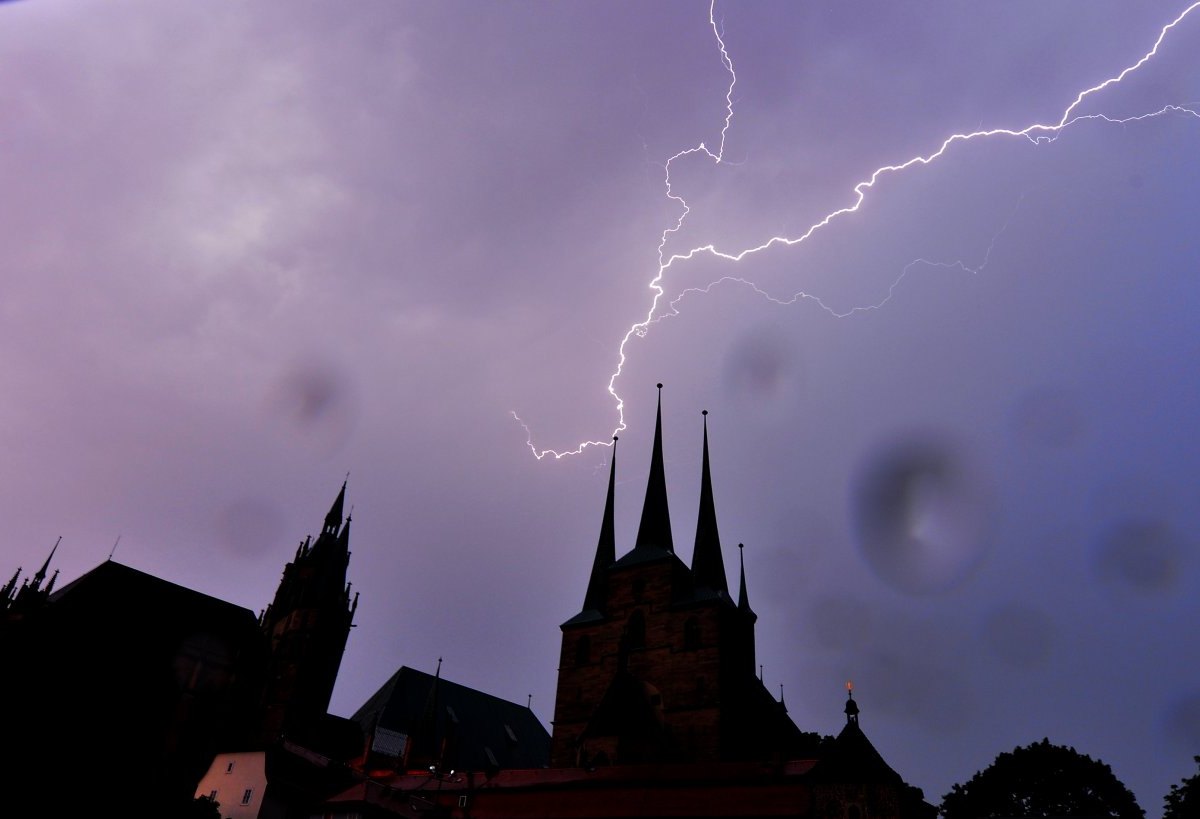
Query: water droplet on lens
[[1142, 554], [918, 512]]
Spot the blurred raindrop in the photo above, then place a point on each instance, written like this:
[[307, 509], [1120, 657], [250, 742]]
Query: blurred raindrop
[[314, 402], [1139, 553], [1047, 417], [1018, 635], [919, 513], [1181, 722], [761, 368], [250, 526]]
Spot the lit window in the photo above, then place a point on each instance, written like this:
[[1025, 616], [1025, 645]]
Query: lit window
[[246, 796]]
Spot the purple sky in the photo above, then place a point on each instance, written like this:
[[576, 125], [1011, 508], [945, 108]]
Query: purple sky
[[251, 247]]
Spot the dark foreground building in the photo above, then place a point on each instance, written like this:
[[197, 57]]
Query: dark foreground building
[[121, 686], [126, 692], [658, 710]]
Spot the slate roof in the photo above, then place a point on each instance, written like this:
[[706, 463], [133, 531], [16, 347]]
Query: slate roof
[[480, 731]]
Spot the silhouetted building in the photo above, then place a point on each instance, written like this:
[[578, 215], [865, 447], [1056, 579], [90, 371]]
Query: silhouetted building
[[122, 680], [659, 666], [418, 721], [658, 710]]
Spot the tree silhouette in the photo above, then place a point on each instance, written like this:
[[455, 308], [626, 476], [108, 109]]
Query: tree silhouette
[[1183, 801], [1042, 780]]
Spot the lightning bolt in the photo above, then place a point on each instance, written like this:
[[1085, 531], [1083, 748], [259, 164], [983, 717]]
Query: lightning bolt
[[1036, 133]]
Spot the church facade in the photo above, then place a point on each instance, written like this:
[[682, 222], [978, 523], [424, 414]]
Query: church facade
[[659, 665]]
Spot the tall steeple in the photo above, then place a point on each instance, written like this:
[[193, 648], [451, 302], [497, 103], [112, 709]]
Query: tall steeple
[[708, 567], [307, 626], [606, 548], [333, 520], [654, 531]]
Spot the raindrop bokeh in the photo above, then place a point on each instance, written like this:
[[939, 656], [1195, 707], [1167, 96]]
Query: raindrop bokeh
[[918, 513]]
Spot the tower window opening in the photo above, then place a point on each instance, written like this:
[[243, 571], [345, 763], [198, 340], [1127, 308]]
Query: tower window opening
[[636, 630]]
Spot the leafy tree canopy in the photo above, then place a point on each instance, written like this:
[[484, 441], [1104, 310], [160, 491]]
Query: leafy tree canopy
[[1042, 780], [1183, 801]]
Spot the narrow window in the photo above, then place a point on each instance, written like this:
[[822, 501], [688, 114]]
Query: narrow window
[[212, 797], [229, 768], [246, 796], [635, 631]]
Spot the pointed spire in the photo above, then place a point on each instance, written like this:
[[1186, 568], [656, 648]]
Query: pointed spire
[[10, 588], [606, 548], [654, 531], [708, 566], [41, 573], [743, 595], [333, 520]]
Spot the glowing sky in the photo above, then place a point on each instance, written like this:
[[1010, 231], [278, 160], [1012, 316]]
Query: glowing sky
[[251, 247]]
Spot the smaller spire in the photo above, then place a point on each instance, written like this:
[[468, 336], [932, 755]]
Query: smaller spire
[[782, 704], [851, 706], [606, 548], [743, 595], [41, 573]]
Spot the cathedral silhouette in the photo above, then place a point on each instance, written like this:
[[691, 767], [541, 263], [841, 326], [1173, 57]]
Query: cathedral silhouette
[[124, 689]]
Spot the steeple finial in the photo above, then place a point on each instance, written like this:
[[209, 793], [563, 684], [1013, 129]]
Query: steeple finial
[[708, 567], [654, 531], [606, 548], [851, 705]]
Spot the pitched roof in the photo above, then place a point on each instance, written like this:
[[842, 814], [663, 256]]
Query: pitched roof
[[481, 731]]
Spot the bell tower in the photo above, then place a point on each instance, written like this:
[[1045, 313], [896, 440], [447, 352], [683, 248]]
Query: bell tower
[[306, 628]]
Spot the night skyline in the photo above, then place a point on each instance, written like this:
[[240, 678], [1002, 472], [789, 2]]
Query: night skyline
[[252, 248]]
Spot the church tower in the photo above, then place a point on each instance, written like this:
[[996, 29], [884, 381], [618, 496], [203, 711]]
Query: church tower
[[658, 666], [306, 627]]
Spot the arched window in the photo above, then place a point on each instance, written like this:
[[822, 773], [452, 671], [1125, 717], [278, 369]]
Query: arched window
[[635, 630], [691, 634], [583, 650]]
